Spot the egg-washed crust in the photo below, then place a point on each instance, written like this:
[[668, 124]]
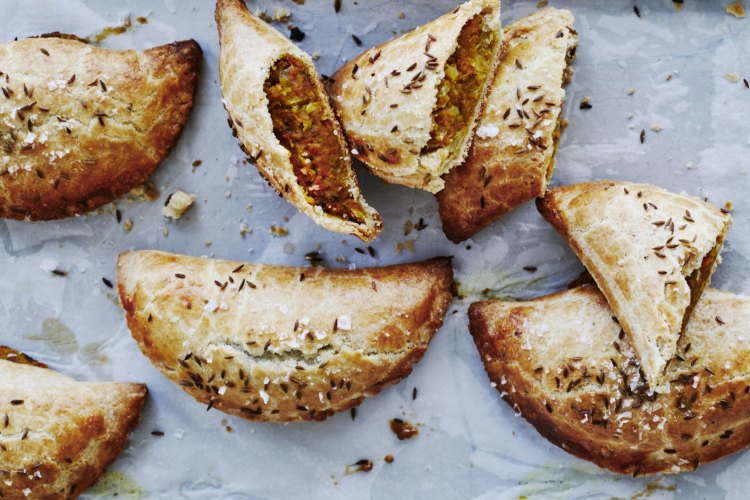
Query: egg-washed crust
[[385, 99], [513, 153], [249, 49], [57, 436], [640, 243], [81, 125], [564, 364], [10, 354], [281, 344]]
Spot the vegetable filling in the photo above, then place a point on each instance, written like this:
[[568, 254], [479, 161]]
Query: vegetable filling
[[305, 129], [698, 279], [466, 72]]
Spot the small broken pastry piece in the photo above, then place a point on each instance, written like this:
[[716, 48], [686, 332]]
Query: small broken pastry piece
[[177, 204], [57, 436], [281, 344], [651, 252], [279, 110], [565, 364], [409, 106], [513, 153], [81, 125]]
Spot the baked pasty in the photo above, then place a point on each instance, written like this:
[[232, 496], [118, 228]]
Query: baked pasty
[[513, 153], [57, 436], [651, 253], [81, 126], [281, 344], [409, 106], [279, 110], [564, 364]]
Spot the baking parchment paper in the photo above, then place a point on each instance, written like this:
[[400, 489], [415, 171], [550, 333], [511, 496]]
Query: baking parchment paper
[[682, 66]]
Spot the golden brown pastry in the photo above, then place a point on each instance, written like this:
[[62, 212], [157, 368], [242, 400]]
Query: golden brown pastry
[[279, 110], [276, 343], [513, 153], [57, 436], [564, 364], [81, 126], [651, 252], [409, 106]]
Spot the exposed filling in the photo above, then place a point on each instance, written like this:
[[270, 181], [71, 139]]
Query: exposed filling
[[567, 74], [555, 144], [698, 279], [303, 127], [466, 72]]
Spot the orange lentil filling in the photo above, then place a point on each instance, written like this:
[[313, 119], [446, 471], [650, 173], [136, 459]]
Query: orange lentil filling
[[304, 128], [466, 72]]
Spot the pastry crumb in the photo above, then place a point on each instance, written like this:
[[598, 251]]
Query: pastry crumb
[[631, 91], [144, 192], [281, 14], [657, 127], [279, 231], [177, 204], [128, 225], [737, 9], [245, 229], [732, 77]]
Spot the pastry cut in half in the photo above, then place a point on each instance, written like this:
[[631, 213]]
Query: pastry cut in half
[[410, 105], [81, 125], [564, 363], [513, 153], [57, 436], [651, 252], [279, 110], [281, 344]]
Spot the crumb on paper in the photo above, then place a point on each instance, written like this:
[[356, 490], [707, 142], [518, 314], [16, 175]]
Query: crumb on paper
[[657, 127], [128, 225], [144, 192], [281, 14], [541, 4], [279, 231], [245, 229], [263, 15], [631, 91], [737, 9], [732, 77], [177, 203], [402, 15], [165, 231], [315, 55]]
